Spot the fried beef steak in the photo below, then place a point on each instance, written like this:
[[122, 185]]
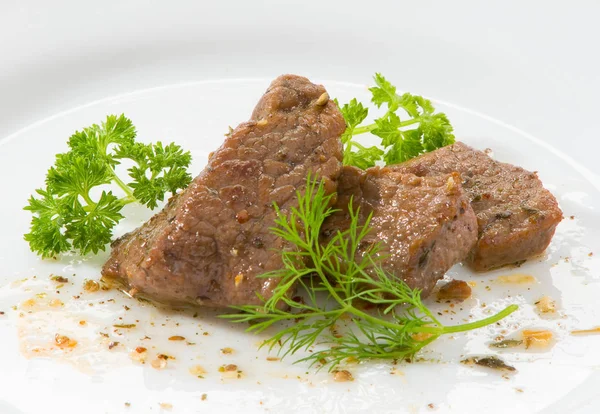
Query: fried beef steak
[[516, 215], [425, 224], [211, 241]]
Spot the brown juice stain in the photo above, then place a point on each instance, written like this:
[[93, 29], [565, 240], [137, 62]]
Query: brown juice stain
[[592, 331], [80, 329], [42, 320], [517, 279], [538, 338], [546, 305]]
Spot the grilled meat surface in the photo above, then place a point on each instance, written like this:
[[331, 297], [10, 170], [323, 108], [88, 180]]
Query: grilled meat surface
[[211, 241], [425, 224], [516, 215]]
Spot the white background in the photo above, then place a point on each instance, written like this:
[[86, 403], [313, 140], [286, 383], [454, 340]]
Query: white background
[[532, 64]]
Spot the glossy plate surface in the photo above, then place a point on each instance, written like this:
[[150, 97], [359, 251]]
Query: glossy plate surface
[[182, 81]]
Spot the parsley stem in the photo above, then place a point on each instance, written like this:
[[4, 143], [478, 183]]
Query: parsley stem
[[364, 129], [371, 127], [121, 184], [127, 200], [88, 200], [356, 144], [410, 122]]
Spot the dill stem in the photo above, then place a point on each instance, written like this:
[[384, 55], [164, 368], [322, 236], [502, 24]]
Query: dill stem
[[357, 312], [434, 330], [483, 322]]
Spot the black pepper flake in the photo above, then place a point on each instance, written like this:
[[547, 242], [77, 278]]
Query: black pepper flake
[[503, 215], [111, 345], [258, 243], [326, 233], [1, 312], [298, 299]]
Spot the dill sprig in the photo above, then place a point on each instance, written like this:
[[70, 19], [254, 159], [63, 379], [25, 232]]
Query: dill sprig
[[337, 285]]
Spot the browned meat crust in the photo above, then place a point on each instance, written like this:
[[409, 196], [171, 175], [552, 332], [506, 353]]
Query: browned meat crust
[[516, 215], [425, 224], [209, 244]]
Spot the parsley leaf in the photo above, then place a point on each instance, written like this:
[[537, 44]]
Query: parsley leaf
[[388, 129], [148, 185], [402, 138], [354, 113], [47, 235], [384, 92], [363, 157], [91, 229], [77, 209]]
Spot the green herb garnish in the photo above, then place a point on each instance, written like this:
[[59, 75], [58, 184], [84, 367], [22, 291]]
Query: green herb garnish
[[76, 210], [403, 136], [401, 326]]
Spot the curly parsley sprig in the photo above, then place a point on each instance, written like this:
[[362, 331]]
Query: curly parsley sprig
[[419, 129], [347, 285], [71, 212]]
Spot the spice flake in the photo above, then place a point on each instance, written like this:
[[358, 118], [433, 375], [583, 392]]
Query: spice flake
[[492, 362]]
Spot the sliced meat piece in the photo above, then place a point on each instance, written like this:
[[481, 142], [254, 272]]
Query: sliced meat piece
[[516, 215], [425, 224], [209, 244]]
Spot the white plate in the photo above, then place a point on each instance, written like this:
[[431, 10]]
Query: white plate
[[199, 63]]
